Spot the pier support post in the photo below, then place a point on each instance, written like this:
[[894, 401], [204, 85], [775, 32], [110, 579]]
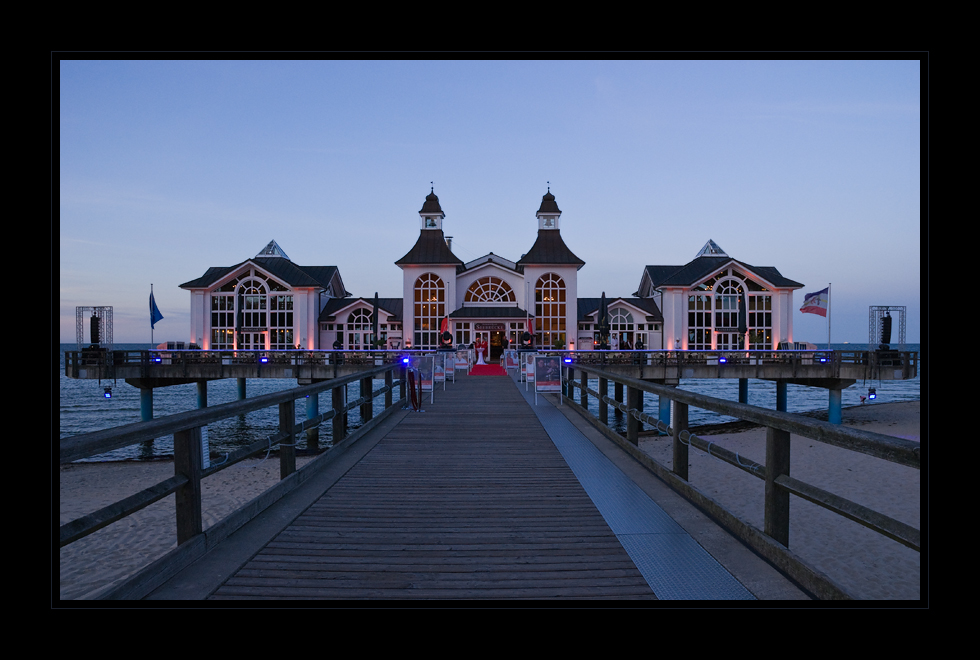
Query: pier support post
[[202, 394], [584, 399], [618, 396], [743, 390], [680, 455], [781, 399], [664, 412], [603, 406], [834, 414], [241, 389], [146, 404], [777, 499], [313, 434]]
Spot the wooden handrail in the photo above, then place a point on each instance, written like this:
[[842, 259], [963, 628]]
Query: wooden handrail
[[186, 429]]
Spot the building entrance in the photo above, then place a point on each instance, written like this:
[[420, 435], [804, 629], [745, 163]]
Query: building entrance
[[252, 341], [496, 344], [728, 341]]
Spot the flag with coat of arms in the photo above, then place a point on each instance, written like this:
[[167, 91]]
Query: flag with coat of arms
[[816, 303]]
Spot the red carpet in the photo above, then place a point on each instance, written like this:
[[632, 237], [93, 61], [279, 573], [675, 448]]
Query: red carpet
[[488, 370]]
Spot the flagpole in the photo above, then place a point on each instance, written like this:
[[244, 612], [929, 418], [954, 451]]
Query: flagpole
[[151, 318], [828, 315]]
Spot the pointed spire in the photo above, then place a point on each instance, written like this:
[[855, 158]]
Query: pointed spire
[[273, 250], [711, 249]]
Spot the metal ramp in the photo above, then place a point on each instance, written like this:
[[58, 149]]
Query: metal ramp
[[674, 565]]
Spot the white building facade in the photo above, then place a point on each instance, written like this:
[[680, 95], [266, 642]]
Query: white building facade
[[718, 303], [491, 298]]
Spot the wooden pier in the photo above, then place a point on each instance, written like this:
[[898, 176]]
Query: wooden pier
[[469, 499], [483, 494]]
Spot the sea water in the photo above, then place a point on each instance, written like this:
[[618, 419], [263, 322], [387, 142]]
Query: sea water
[[84, 407]]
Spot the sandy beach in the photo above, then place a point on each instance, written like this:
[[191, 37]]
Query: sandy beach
[[867, 564]]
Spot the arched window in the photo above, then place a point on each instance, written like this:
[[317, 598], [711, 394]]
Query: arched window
[[490, 290], [549, 311], [430, 308], [360, 327]]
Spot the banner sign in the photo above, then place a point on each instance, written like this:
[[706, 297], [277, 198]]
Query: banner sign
[[440, 367], [547, 373], [462, 360], [511, 360], [489, 326], [426, 367]]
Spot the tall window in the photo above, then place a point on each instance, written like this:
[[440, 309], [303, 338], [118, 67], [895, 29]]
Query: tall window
[[490, 289], [726, 304], [699, 322], [549, 311], [222, 322], [281, 322], [430, 308], [760, 322], [360, 328]]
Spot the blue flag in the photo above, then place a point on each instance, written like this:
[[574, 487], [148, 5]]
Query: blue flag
[[155, 314]]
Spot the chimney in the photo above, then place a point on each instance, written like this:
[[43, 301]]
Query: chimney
[[449, 242]]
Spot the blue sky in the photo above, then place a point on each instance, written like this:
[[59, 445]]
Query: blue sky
[[168, 168]]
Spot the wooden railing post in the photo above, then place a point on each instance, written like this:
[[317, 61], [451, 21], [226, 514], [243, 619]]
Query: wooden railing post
[[603, 406], [367, 408], [633, 398], [287, 446], [339, 419], [584, 398], [777, 499], [678, 424], [389, 379], [187, 461]]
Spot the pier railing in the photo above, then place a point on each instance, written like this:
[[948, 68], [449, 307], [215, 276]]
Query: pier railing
[[107, 359], [189, 467], [773, 541], [677, 358]]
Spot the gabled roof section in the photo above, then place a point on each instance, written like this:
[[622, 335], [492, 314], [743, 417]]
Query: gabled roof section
[[282, 269], [491, 258], [703, 266], [589, 306], [430, 249], [336, 306], [549, 248], [488, 313]]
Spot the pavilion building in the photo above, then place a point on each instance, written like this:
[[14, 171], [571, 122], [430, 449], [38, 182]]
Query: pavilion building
[[716, 302], [269, 303]]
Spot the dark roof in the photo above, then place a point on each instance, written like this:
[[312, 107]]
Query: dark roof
[[282, 269], [702, 267], [549, 248], [548, 204], [431, 248], [587, 306], [391, 305], [431, 205], [487, 312]]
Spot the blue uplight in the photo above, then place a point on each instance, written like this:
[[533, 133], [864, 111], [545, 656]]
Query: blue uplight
[[568, 360], [872, 394], [263, 359], [108, 393], [722, 360]]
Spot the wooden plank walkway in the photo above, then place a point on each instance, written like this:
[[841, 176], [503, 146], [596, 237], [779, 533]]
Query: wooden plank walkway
[[469, 499]]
